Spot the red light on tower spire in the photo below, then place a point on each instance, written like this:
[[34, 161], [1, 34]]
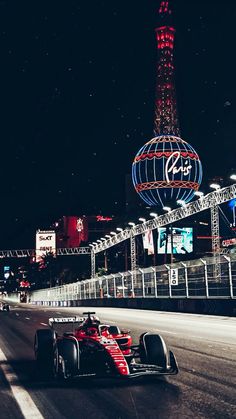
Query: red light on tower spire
[[166, 119], [164, 7]]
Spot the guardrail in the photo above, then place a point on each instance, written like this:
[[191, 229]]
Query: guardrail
[[213, 277]]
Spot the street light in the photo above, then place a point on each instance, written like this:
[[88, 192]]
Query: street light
[[90, 244], [119, 229], [153, 214], [99, 241], [95, 244], [113, 233], [199, 193], [131, 224], [142, 219], [233, 177], [107, 236], [166, 209], [215, 186], [181, 202], [103, 238]]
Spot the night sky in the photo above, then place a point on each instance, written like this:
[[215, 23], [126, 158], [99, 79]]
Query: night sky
[[77, 82]]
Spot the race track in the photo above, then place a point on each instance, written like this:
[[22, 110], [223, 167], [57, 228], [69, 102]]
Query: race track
[[205, 348]]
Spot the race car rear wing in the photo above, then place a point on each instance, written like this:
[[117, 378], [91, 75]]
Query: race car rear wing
[[64, 320]]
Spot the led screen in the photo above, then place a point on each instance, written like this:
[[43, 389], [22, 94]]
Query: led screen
[[182, 240]]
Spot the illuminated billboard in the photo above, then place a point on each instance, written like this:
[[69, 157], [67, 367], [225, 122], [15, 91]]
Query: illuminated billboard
[[45, 243], [182, 240]]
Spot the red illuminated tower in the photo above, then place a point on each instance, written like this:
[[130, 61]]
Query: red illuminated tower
[[166, 169], [166, 119]]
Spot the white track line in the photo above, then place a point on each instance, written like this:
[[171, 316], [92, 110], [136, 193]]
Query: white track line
[[25, 403]]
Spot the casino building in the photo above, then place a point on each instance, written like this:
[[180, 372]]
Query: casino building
[[76, 231]]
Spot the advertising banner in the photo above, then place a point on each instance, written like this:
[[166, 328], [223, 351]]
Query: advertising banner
[[148, 242], [45, 243], [182, 240]]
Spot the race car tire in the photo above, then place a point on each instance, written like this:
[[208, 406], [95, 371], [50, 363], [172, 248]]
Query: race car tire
[[114, 330], [68, 350], [46, 352], [153, 350]]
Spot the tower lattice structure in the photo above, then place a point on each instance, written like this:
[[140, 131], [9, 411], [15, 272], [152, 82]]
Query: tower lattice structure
[[166, 118]]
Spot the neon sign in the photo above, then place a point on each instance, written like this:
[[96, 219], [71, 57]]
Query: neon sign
[[229, 242], [102, 218], [182, 169]]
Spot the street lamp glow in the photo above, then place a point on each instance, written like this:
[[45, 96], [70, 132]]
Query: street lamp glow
[[119, 229], [107, 236], [181, 202], [95, 244], [90, 244], [153, 214], [131, 224], [113, 233], [142, 219], [233, 177], [199, 193], [103, 238], [166, 209], [215, 186], [99, 241]]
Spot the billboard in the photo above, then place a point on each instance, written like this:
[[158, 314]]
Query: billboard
[[182, 240], [148, 242], [71, 231], [45, 243]]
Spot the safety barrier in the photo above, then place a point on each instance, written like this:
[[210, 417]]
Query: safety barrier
[[208, 278]]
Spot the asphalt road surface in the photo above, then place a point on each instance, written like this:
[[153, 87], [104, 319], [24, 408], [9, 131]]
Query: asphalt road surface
[[205, 348]]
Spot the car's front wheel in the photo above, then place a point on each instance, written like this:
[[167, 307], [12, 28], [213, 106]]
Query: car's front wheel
[[153, 350], [68, 351]]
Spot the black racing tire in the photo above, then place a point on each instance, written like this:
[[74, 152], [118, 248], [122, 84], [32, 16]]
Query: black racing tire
[[46, 352], [68, 349], [153, 350], [114, 330]]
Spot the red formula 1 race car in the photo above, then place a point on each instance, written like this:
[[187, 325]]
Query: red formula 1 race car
[[95, 349]]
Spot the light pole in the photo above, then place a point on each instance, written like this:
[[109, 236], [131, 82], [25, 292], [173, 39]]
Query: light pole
[[133, 248], [215, 232], [168, 209]]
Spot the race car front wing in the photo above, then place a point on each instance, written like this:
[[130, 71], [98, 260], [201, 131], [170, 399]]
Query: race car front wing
[[138, 370]]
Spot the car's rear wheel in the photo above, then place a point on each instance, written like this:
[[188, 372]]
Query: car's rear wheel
[[46, 352], [68, 351], [153, 350]]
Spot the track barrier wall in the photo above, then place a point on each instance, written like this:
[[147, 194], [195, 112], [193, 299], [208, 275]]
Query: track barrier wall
[[205, 286]]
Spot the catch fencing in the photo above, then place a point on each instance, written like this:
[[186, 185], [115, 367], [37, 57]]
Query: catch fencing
[[213, 277]]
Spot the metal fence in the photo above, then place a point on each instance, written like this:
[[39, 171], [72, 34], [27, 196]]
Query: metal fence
[[201, 278]]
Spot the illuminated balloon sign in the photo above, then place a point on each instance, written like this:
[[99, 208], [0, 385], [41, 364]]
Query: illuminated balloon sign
[[166, 169]]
